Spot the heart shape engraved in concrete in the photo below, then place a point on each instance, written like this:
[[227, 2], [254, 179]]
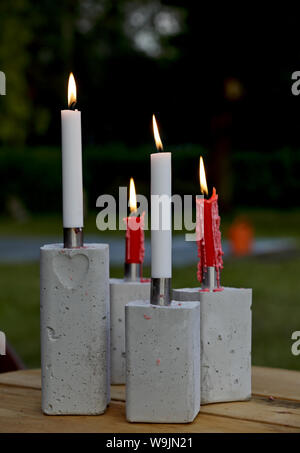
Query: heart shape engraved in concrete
[[71, 270]]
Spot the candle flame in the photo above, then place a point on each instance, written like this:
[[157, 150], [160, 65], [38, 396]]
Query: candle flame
[[132, 196], [72, 94], [202, 177], [157, 139]]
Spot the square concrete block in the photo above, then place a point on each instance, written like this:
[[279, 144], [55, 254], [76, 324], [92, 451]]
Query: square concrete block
[[122, 292], [163, 362], [75, 327], [225, 334]]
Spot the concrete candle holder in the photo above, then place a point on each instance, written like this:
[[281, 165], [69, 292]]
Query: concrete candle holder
[[225, 332], [122, 292], [162, 362], [75, 329]]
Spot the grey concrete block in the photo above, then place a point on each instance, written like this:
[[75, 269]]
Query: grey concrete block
[[163, 362], [225, 319], [122, 292], [75, 327]]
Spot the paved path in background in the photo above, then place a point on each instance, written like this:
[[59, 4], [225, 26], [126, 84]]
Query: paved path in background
[[26, 249]]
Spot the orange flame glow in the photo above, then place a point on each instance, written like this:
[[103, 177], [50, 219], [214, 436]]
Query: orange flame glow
[[132, 196], [157, 139], [202, 177], [72, 93]]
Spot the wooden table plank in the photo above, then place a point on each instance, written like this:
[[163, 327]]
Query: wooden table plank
[[23, 378], [276, 382], [20, 412], [259, 409], [269, 382], [281, 413]]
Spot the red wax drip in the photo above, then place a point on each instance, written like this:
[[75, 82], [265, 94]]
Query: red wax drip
[[135, 243], [208, 234], [209, 246]]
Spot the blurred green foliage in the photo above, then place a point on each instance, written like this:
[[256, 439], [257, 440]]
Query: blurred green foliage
[[15, 37], [267, 179], [41, 42], [33, 175], [133, 58]]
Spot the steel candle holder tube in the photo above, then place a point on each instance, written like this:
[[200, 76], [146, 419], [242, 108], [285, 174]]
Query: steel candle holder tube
[[209, 279], [161, 289], [132, 272], [73, 238], [2, 343]]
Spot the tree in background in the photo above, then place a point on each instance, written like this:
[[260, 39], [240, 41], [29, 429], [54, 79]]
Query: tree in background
[[15, 37], [114, 49]]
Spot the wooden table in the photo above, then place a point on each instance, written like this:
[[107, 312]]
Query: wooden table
[[274, 407]]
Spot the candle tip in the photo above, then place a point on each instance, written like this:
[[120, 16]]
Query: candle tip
[[202, 177], [132, 196], [72, 92], [158, 143]]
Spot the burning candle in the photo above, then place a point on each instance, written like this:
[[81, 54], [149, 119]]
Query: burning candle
[[208, 236], [161, 222], [135, 248], [72, 170]]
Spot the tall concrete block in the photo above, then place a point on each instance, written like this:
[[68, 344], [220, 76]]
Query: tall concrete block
[[122, 292], [225, 332], [75, 327], [163, 362]]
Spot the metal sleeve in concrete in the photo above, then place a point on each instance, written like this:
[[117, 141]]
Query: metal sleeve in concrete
[[2, 343], [225, 319], [75, 327], [163, 362], [122, 292]]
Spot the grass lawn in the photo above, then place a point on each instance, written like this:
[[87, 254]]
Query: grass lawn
[[276, 305]]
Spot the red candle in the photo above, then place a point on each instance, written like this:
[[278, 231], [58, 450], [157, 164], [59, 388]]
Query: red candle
[[135, 247], [208, 231]]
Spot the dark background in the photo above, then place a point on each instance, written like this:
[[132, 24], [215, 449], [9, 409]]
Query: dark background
[[218, 79]]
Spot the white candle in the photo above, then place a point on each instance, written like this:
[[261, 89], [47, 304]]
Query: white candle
[[72, 162], [161, 215]]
